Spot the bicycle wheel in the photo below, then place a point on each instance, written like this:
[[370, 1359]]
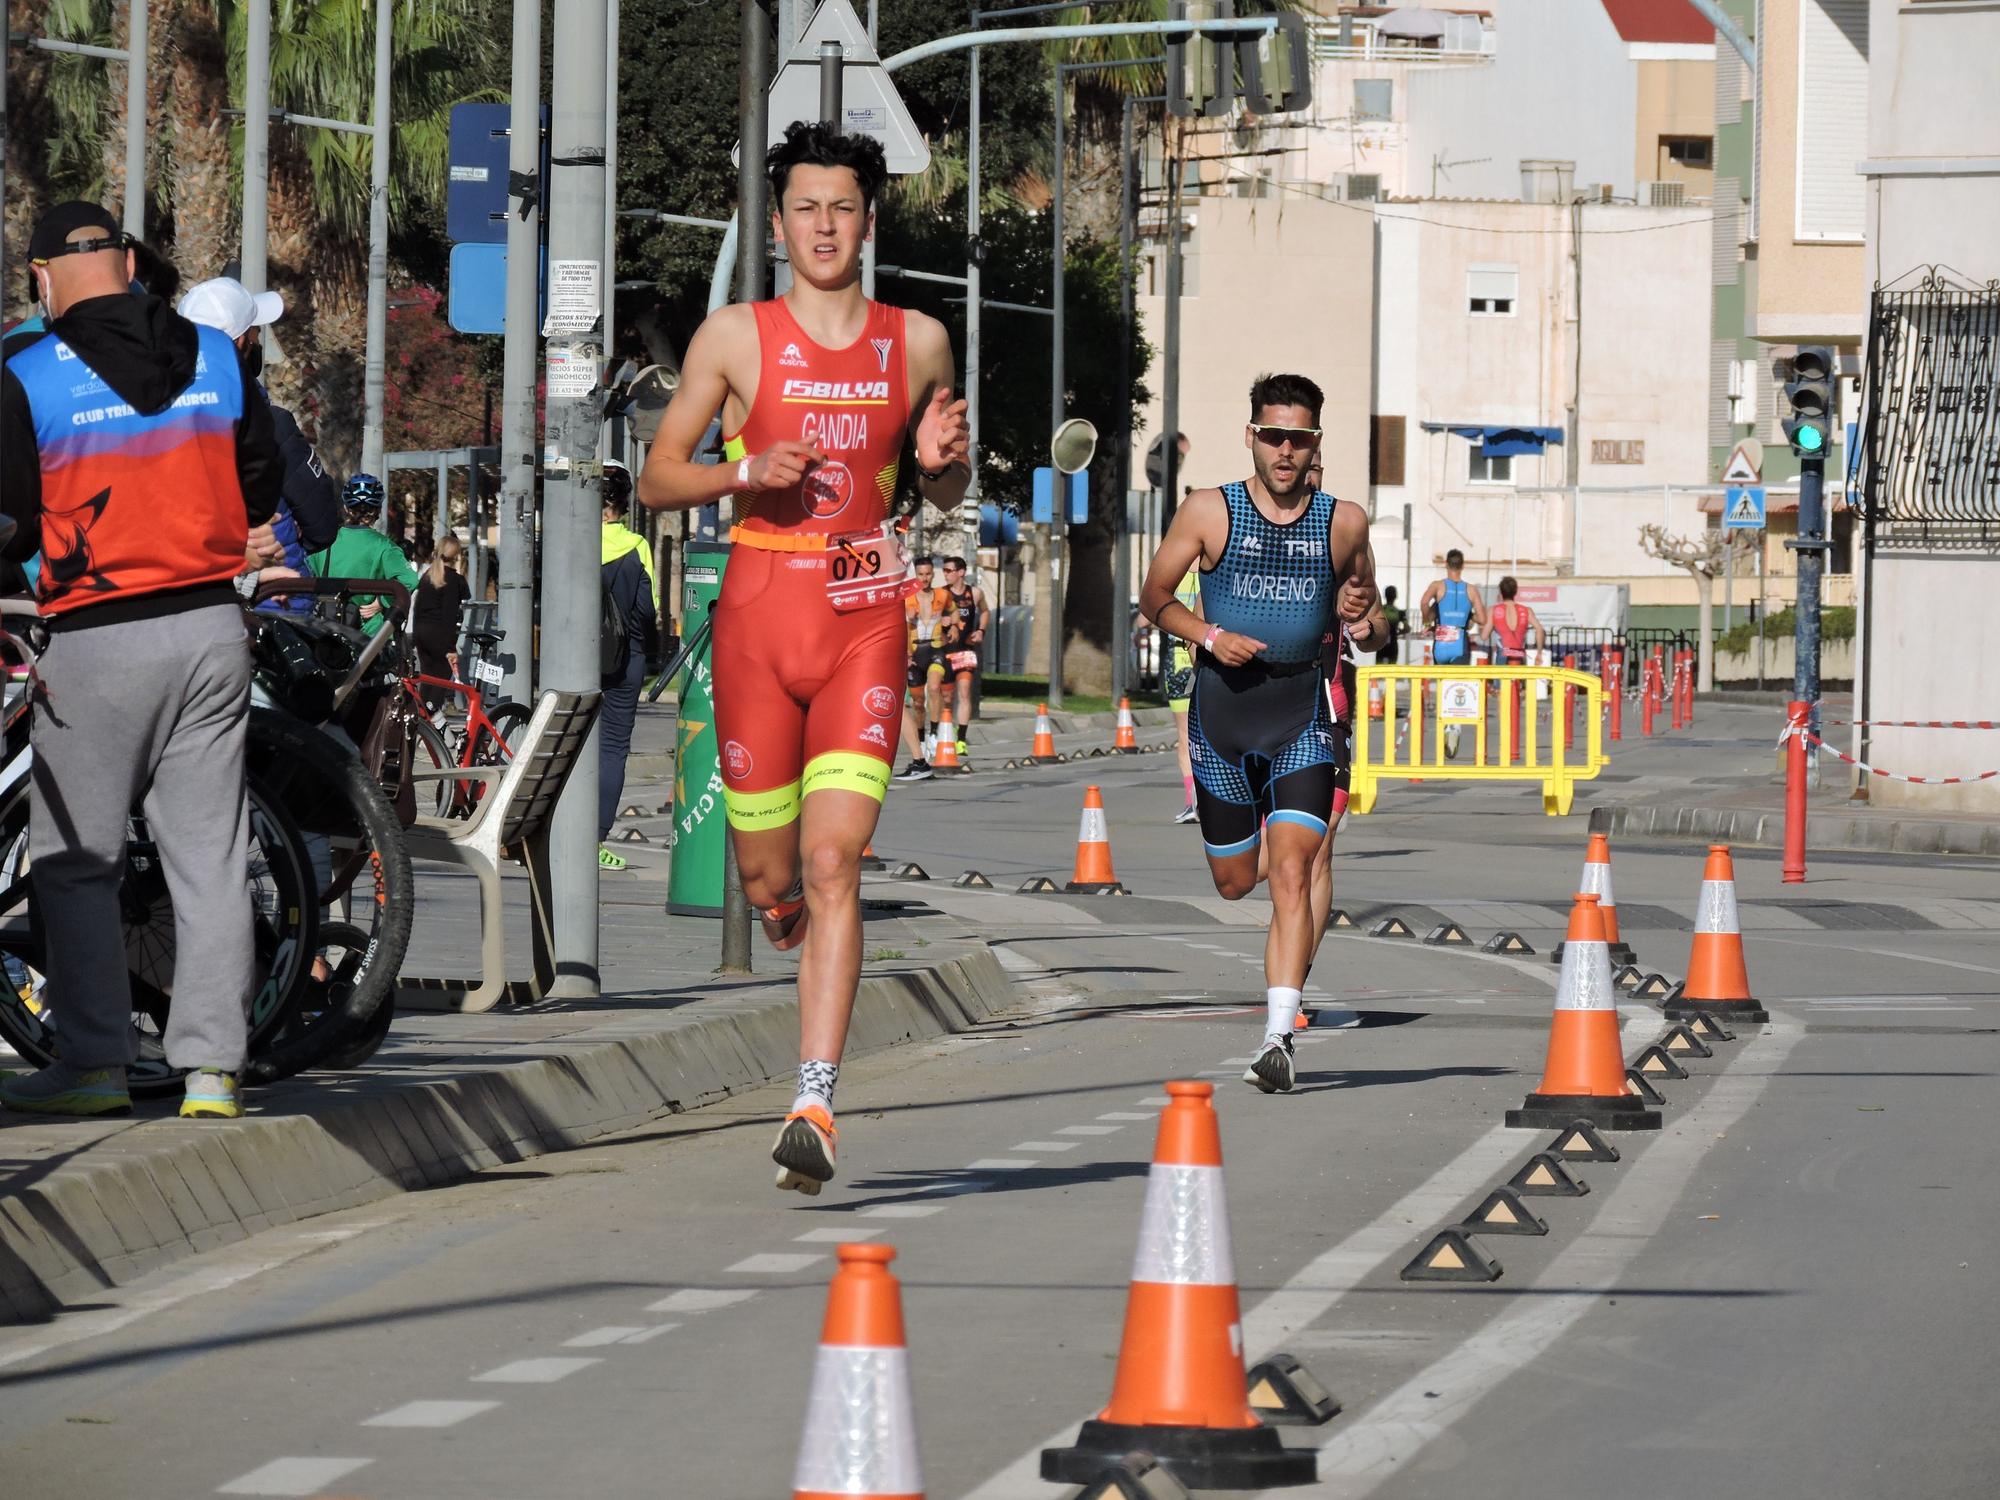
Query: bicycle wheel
[[437, 797], [279, 885], [364, 873], [349, 957], [510, 723]]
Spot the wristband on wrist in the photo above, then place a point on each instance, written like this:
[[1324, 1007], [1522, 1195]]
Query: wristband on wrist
[[743, 474], [1208, 641]]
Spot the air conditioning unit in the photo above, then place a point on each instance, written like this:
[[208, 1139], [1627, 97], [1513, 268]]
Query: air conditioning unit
[[1663, 194]]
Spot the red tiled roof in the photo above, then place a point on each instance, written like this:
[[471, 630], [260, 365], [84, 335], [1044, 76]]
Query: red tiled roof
[[1658, 21]]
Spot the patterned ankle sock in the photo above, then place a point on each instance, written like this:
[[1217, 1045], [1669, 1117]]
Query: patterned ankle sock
[[816, 1080]]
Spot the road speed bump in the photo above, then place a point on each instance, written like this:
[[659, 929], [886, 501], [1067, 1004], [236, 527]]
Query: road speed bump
[[1641, 1087], [1626, 977], [1286, 1394], [1680, 1041], [1446, 934], [1138, 1476], [1506, 942], [1654, 1063], [908, 872], [1339, 918], [1503, 1212], [633, 810], [1036, 885], [633, 836], [1705, 1025], [1391, 927], [1450, 1256], [1653, 986], [1544, 1176], [1581, 1143], [972, 880]]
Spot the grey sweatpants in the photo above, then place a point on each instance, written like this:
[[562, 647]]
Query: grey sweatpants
[[151, 714]]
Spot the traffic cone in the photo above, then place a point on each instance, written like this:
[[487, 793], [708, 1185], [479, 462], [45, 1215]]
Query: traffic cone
[[870, 860], [1044, 752], [945, 760], [1094, 875], [1375, 699], [1180, 1393], [1126, 741], [860, 1435], [1584, 1077], [1597, 880], [1718, 982]]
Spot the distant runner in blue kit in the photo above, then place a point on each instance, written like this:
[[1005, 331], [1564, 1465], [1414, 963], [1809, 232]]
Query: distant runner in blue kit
[[1455, 612], [1281, 563]]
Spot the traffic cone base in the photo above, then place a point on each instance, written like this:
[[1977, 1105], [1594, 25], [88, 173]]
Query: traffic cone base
[[1619, 1111], [1201, 1458], [1685, 1009]]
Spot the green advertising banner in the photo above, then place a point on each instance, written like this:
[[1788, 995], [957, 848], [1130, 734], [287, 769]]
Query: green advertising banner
[[694, 882]]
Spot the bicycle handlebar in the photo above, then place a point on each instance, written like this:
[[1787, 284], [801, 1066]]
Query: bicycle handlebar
[[340, 588]]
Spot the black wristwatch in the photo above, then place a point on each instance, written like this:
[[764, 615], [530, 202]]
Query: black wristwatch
[[923, 473]]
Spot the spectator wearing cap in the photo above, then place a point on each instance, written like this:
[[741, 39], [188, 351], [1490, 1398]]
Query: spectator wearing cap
[[631, 638], [309, 512], [136, 456]]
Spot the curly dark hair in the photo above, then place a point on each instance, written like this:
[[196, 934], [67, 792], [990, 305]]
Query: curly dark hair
[[1285, 390], [815, 145]]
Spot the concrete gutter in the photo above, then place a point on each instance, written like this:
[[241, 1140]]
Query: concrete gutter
[[154, 1192], [1764, 828]]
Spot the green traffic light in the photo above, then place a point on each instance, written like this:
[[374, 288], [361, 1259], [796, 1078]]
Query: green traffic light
[[1809, 439]]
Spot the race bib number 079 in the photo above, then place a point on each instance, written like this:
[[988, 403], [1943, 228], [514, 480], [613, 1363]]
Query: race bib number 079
[[868, 568]]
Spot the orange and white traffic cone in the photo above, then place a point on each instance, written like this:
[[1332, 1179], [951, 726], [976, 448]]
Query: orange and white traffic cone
[[1180, 1392], [1126, 740], [1094, 875], [1718, 981], [870, 860], [1584, 1076], [860, 1433], [944, 760], [1597, 880], [1375, 699], [1044, 752]]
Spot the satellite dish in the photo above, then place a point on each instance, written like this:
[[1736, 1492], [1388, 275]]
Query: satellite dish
[[1073, 446], [651, 391]]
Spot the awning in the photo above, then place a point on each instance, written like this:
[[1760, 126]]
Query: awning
[[1499, 441], [1413, 23]]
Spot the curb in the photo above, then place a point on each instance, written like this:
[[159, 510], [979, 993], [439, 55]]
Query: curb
[[1833, 832], [163, 1190]]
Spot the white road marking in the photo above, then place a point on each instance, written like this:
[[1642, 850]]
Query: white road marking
[[1924, 958], [1001, 1164], [1089, 1129], [698, 1299], [1043, 1146], [769, 1264], [598, 1337], [836, 1236], [543, 1371], [647, 1335], [1160, 1100], [902, 1210], [1122, 1114], [430, 1413], [1364, 1453], [293, 1476]]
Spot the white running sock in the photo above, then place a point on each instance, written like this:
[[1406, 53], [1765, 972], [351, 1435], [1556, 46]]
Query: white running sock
[[1283, 1006], [817, 1077]]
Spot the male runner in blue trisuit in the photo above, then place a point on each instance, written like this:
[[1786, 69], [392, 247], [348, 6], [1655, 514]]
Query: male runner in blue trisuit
[[1280, 563]]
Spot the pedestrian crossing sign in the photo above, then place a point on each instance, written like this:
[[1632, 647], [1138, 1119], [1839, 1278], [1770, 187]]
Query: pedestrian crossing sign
[[1743, 509]]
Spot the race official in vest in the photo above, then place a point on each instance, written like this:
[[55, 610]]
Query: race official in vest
[[135, 456]]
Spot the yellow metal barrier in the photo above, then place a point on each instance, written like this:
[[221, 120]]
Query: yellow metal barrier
[[1461, 699]]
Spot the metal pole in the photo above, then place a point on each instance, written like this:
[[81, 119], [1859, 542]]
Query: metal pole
[[611, 27], [256, 142], [571, 493], [969, 510], [137, 54], [515, 560], [441, 522], [1170, 386], [1059, 509], [1811, 553], [753, 128], [829, 85], [1121, 542], [375, 364], [868, 245]]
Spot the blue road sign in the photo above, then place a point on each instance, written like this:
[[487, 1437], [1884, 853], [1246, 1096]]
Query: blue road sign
[[475, 200], [1043, 511], [1743, 509]]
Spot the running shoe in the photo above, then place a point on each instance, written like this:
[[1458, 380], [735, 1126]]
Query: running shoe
[[211, 1095], [1186, 814], [963, 750], [804, 1151], [60, 1089], [917, 770], [1272, 1070], [785, 923], [609, 858]]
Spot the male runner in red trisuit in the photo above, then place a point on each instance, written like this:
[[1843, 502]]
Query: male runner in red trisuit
[[819, 390]]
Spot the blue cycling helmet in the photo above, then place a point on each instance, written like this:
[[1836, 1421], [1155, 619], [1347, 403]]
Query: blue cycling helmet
[[363, 492]]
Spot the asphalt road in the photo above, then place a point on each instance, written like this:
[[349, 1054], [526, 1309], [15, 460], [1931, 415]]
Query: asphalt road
[[1786, 1292]]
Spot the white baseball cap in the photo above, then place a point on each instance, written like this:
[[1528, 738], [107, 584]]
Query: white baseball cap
[[226, 303]]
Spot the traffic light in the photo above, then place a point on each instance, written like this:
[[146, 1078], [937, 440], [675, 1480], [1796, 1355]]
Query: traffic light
[[1201, 70], [1277, 68], [1810, 395]]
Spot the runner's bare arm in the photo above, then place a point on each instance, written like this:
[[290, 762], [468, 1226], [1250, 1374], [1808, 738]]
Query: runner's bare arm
[[1427, 607], [1354, 559], [985, 614], [1199, 532], [938, 424], [721, 363]]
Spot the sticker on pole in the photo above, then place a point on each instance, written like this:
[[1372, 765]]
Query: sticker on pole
[[576, 296], [1458, 701], [571, 372]]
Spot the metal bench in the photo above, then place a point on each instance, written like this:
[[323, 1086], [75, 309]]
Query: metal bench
[[510, 822]]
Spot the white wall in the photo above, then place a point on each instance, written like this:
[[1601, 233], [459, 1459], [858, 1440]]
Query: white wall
[[1562, 86]]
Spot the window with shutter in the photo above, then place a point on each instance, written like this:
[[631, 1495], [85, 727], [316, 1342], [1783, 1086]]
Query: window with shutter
[[1490, 290], [1385, 450], [1833, 120]]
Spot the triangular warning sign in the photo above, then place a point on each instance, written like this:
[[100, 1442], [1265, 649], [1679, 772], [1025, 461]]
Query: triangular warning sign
[[869, 103], [1743, 467]]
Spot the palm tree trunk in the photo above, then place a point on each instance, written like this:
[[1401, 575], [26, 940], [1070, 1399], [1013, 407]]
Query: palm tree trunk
[[198, 168]]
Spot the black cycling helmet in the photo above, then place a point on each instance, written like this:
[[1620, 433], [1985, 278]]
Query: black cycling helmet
[[617, 484], [363, 492]]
